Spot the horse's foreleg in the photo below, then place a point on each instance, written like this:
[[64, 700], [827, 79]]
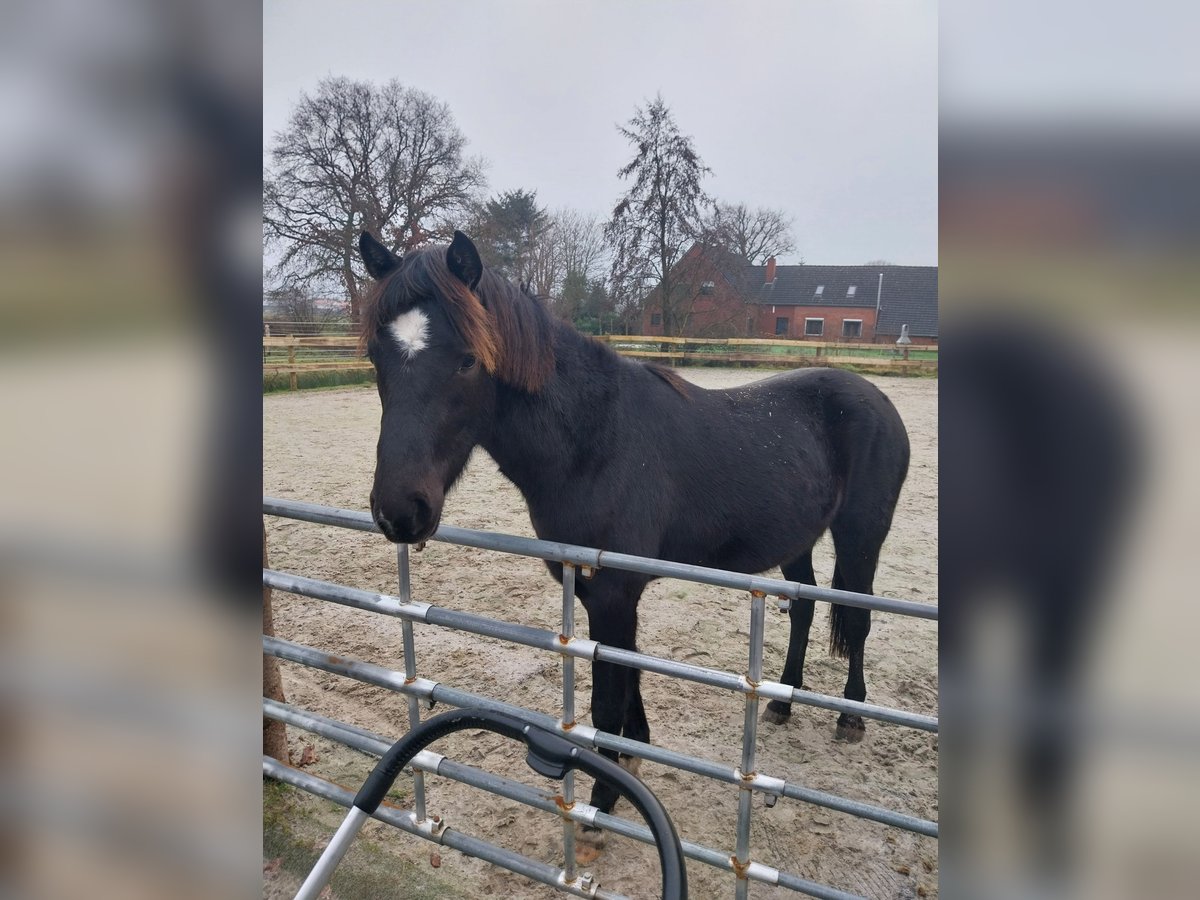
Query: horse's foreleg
[[612, 689], [609, 706], [801, 614], [636, 728]]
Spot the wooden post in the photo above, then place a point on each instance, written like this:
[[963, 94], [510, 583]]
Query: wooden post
[[292, 362], [274, 732]]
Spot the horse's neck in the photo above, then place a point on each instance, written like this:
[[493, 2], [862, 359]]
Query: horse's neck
[[538, 439]]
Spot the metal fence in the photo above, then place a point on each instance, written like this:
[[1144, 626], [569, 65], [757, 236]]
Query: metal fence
[[577, 562]]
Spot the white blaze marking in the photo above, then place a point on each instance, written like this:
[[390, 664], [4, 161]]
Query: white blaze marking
[[411, 331]]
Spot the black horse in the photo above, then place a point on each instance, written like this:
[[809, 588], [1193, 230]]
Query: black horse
[[625, 456]]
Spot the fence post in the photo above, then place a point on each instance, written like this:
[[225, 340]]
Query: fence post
[[568, 715], [741, 860], [292, 363], [410, 672], [274, 731]]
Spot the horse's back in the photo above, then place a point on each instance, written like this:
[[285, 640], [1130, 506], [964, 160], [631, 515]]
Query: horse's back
[[866, 438]]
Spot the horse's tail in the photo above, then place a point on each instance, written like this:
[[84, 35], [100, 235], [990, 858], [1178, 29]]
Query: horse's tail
[[839, 625]]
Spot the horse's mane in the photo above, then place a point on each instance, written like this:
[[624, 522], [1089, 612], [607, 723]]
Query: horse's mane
[[505, 328], [671, 377]]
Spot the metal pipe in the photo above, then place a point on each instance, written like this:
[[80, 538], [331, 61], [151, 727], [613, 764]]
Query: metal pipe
[[410, 669], [547, 640], [776, 587], [586, 737], [464, 537], [457, 840], [700, 674], [505, 631], [749, 745], [357, 598], [334, 851], [568, 714], [588, 556], [377, 745], [862, 810], [854, 707], [813, 888]]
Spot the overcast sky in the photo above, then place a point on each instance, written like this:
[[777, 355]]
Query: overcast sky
[[825, 110]]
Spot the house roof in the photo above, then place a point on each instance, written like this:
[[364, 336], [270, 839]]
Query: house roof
[[908, 295]]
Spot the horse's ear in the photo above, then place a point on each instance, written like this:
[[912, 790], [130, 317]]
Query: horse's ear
[[380, 261], [463, 260]]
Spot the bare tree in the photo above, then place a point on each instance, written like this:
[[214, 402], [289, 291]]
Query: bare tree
[[752, 234], [580, 242], [545, 270], [530, 245], [297, 311], [354, 156], [656, 220]]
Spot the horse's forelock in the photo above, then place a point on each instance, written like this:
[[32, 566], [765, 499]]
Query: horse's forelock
[[512, 343]]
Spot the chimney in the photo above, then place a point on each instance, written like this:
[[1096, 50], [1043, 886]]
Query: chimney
[[770, 269]]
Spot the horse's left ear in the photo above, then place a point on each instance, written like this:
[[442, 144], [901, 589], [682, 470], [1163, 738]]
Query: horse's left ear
[[463, 260], [380, 261]]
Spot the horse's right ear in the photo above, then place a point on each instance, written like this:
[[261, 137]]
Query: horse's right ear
[[380, 261], [462, 259]]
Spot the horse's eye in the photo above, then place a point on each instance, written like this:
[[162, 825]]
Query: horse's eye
[[467, 364]]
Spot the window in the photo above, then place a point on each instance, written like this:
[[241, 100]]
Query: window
[[781, 325], [814, 327], [852, 290], [819, 291], [851, 328], [706, 287], [655, 318]]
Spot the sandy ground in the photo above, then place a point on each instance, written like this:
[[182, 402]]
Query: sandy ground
[[319, 446]]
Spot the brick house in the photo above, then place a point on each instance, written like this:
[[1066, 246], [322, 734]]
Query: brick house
[[709, 296], [867, 304]]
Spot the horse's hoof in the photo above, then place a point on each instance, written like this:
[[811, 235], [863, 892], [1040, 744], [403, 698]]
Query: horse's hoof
[[850, 729], [589, 842], [776, 715], [632, 765]]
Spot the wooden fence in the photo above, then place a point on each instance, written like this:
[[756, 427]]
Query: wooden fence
[[294, 356], [883, 359]]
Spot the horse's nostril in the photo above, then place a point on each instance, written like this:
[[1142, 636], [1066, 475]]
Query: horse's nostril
[[422, 511], [384, 525]]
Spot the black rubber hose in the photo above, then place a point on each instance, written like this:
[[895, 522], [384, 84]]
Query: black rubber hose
[[549, 754], [670, 853]]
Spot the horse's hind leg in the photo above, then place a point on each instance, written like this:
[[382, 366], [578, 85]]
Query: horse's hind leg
[[801, 614], [857, 551]]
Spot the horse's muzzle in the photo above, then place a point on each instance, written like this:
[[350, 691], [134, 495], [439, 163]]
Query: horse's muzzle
[[407, 520]]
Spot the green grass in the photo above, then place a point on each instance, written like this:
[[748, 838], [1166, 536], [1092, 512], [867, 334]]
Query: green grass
[[274, 382], [295, 824], [278, 356]]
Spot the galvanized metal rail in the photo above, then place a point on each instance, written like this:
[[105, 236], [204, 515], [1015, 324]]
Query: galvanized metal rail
[[568, 647]]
